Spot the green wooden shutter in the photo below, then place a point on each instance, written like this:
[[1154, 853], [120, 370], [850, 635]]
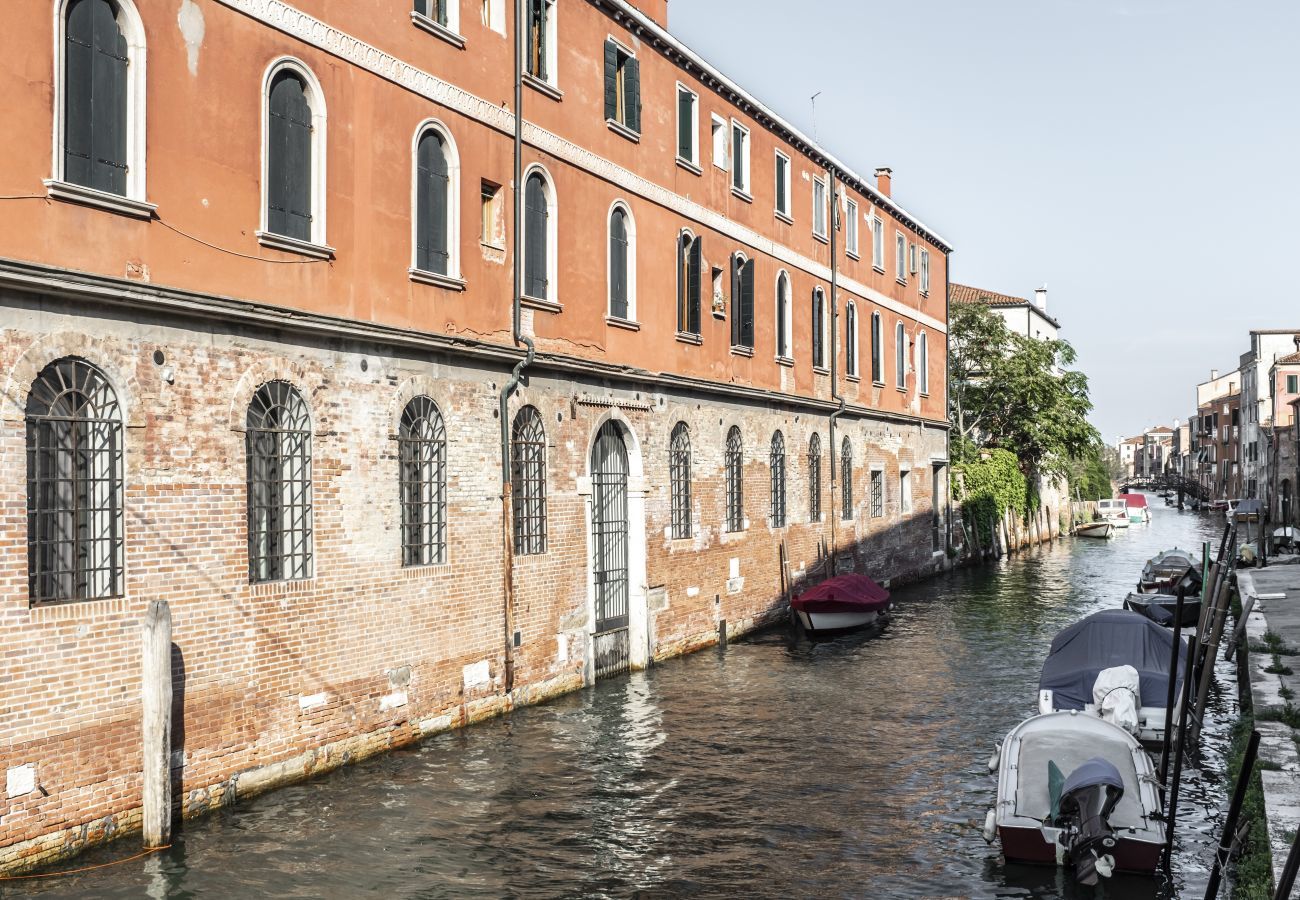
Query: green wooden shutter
[[618, 264], [78, 81], [95, 89], [747, 304], [611, 80], [535, 238], [432, 244], [685, 125], [289, 162], [737, 158], [696, 278], [632, 90], [736, 301]]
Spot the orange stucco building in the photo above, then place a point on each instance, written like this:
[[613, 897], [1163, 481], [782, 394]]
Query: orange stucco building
[[239, 224]]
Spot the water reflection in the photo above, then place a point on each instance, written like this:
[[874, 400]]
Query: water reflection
[[855, 767]]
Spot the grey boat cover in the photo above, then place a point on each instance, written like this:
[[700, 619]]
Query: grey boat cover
[[1112, 637], [1097, 770]]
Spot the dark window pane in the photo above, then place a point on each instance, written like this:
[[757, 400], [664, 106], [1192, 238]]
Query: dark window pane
[[289, 158]]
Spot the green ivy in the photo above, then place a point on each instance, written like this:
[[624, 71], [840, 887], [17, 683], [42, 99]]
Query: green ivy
[[991, 484]]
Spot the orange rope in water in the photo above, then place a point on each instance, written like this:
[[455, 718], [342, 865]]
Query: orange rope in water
[[116, 862]]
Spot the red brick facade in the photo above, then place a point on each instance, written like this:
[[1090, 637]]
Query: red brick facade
[[276, 680]]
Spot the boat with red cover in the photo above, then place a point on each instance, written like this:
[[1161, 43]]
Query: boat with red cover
[[839, 603]]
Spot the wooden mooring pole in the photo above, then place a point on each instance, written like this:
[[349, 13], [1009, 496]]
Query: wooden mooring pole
[[1211, 643], [156, 696], [1175, 671], [1171, 811], [1234, 811]]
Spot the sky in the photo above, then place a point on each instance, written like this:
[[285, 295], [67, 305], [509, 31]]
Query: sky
[[1139, 157]]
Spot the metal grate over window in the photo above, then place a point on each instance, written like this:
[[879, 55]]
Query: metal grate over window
[[846, 479], [74, 485], [279, 484], [734, 465], [877, 494], [815, 479], [422, 455], [679, 476], [528, 481], [776, 465]]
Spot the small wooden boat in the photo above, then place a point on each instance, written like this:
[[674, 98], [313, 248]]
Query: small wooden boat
[[1138, 511], [1107, 640], [1077, 791], [1170, 570], [840, 603], [1160, 608], [1094, 530]]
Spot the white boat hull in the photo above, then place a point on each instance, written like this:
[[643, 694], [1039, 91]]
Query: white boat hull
[[836, 621]]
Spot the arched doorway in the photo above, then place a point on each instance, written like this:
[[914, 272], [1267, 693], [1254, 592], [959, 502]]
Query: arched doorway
[[611, 649]]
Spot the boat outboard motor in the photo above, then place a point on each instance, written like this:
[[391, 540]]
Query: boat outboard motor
[[1087, 800]]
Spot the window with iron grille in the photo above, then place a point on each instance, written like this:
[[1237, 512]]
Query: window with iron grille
[[679, 476], [776, 465], [279, 484], [528, 481], [846, 479], [877, 493], [734, 465], [74, 485], [815, 479], [422, 459]]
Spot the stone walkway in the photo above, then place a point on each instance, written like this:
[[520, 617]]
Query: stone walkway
[[1272, 597]]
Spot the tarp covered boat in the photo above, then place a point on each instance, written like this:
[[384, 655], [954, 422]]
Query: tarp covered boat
[[845, 601], [1104, 640], [1161, 608], [1138, 512]]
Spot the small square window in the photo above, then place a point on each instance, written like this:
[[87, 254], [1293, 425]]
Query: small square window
[[493, 230], [719, 297]]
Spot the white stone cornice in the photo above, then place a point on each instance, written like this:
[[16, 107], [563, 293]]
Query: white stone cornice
[[313, 31]]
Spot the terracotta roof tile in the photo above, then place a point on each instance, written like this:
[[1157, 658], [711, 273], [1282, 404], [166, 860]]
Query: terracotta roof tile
[[964, 293], [1290, 358]]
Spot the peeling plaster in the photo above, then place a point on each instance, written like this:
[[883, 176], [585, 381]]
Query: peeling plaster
[[190, 20]]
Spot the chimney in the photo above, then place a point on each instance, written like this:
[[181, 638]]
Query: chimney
[[655, 10], [1214, 373], [1040, 298], [884, 176], [1297, 343]]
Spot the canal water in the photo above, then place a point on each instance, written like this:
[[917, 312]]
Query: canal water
[[776, 768]]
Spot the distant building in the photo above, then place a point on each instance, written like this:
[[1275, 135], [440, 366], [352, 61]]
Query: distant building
[[1266, 347], [1216, 434], [1024, 317], [1281, 475], [1152, 453]]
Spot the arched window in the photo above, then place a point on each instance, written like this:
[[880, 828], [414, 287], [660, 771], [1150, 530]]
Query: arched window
[[690, 277], [900, 355], [679, 476], [783, 316], [422, 460], [293, 182], [742, 302], [437, 205], [734, 465], [815, 479], [100, 89], [818, 328], [877, 350], [846, 479], [528, 481], [278, 440], [622, 263], [923, 363], [539, 237], [851, 339], [74, 485], [776, 464]]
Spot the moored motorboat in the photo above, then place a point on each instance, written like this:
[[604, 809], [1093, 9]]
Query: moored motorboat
[[1077, 791], [1169, 571], [1094, 530], [840, 603], [1161, 608], [1114, 511], [1081, 654], [1138, 511]]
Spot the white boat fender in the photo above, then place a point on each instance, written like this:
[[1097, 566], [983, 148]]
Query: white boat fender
[[990, 826], [1044, 702], [1105, 865], [995, 759]]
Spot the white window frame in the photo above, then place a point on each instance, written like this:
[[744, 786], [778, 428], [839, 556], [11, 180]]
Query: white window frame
[[318, 245], [823, 207], [905, 490], [694, 161], [786, 353], [782, 186], [453, 278], [718, 125], [851, 339], [631, 262], [878, 244], [925, 272], [552, 238], [134, 202], [900, 255], [449, 32], [923, 364], [552, 79], [851, 230], [493, 14], [741, 165], [900, 355], [616, 125]]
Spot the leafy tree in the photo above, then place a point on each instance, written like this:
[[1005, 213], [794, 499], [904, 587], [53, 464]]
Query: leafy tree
[[1089, 476], [1016, 393]]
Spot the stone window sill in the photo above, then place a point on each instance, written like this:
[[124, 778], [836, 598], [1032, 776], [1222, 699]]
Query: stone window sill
[[619, 322], [741, 194], [293, 245], [853, 378], [433, 278], [742, 351], [821, 237], [543, 87], [539, 303], [784, 361], [784, 217], [424, 23], [880, 269], [689, 166], [821, 370], [687, 338], [620, 129], [852, 254], [76, 193]]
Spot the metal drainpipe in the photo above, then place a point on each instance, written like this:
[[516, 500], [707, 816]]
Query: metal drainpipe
[[507, 547], [835, 331]]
